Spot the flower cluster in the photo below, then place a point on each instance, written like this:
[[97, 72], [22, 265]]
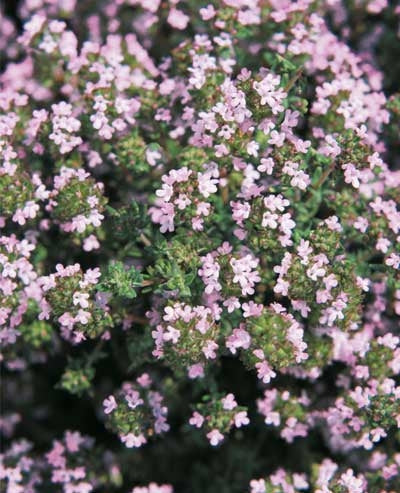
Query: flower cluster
[[186, 337], [218, 416], [365, 416], [20, 189], [19, 286], [70, 298], [275, 341], [286, 412], [76, 202], [329, 477], [327, 288], [73, 464], [280, 482], [264, 218], [137, 413], [221, 271], [180, 201]]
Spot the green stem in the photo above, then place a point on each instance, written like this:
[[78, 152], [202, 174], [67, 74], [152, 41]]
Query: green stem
[[321, 181], [293, 80], [95, 353], [324, 176], [143, 238]]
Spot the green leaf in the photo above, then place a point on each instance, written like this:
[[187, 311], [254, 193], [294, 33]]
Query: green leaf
[[121, 281]]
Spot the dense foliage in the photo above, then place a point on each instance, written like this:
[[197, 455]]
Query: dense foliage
[[200, 246]]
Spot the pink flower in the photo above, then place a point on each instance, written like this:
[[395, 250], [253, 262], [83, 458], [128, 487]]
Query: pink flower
[[266, 166], [81, 299], [19, 217], [393, 260], [215, 437], [209, 350], [196, 371], [171, 334], [252, 309], [281, 287], [73, 441], [56, 456], [351, 174], [241, 419], [91, 243], [207, 183], [207, 13], [377, 434], [67, 320], [83, 317], [244, 273], [257, 486], [382, 245], [131, 440], [30, 209], [264, 372], [177, 19], [267, 89], [152, 156], [133, 399], [196, 420], [229, 402], [239, 338], [79, 223], [252, 148], [231, 304], [144, 380], [272, 418], [92, 275]]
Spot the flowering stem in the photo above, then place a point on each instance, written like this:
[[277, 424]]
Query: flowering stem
[[324, 176], [144, 239], [293, 80], [321, 181], [95, 353], [224, 190]]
